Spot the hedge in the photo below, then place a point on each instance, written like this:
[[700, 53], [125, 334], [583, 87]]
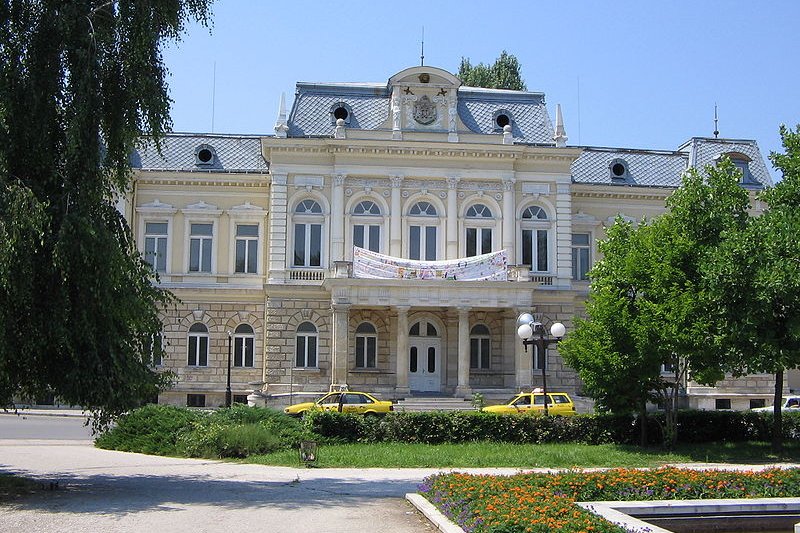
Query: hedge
[[439, 426]]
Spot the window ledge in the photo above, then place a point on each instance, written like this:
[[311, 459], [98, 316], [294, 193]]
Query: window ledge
[[366, 371], [482, 371], [306, 369]]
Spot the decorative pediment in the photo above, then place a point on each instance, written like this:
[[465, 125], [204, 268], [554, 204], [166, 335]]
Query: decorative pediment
[[246, 210], [156, 206], [201, 207]]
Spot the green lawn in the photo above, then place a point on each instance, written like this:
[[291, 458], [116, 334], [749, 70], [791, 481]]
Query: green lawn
[[483, 454]]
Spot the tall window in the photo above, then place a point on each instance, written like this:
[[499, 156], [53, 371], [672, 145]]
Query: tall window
[[247, 248], [200, 245], [479, 344], [535, 239], [479, 223], [198, 345], [155, 245], [306, 346], [308, 234], [366, 346], [581, 256], [243, 346], [367, 226], [422, 233]]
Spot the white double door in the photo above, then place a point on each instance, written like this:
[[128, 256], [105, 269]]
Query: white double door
[[424, 364]]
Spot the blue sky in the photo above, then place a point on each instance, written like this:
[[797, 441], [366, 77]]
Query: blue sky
[[634, 74]]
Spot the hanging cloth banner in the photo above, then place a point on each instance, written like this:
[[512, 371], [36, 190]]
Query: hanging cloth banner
[[487, 267]]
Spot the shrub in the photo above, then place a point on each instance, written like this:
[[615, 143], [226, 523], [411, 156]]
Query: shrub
[[152, 429], [215, 439]]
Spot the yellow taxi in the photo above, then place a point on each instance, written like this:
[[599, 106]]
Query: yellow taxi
[[360, 403], [558, 404]]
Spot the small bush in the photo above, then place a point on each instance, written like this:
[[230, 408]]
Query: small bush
[[214, 439], [152, 429]]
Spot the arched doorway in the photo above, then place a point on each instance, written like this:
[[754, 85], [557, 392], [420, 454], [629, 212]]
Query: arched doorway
[[424, 358]]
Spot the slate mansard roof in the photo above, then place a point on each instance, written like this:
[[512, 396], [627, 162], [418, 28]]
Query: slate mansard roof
[[185, 153], [370, 103], [655, 168]]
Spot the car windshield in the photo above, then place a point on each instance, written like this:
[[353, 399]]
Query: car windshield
[[520, 400]]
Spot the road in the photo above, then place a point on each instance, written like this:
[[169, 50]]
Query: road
[[100, 490]]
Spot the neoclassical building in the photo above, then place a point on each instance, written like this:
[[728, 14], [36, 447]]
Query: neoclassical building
[[352, 246]]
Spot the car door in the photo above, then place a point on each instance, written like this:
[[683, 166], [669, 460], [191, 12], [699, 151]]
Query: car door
[[330, 402], [353, 403], [522, 404]]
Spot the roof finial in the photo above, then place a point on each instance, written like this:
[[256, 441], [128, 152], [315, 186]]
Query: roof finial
[[281, 127], [422, 50], [716, 128], [561, 134]]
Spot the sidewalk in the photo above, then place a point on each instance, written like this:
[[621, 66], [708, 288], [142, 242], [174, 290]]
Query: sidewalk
[[46, 411]]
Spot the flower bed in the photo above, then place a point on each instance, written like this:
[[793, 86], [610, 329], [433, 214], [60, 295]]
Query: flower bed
[[546, 502]]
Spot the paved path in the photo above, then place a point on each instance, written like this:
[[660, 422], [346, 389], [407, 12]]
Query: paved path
[[100, 490]]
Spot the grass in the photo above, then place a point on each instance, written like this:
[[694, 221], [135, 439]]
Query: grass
[[485, 454], [13, 486]]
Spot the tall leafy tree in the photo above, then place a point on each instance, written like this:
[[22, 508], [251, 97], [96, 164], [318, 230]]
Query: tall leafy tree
[[755, 281], [648, 307], [504, 73], [81, 81]]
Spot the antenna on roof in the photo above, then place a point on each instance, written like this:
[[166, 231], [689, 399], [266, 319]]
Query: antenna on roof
[[716, 128], [422, 52], [213, 95]]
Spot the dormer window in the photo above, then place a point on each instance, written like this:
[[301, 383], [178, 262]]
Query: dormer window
[[205, 155], [618, 170], [742, 163], [501, 118], [341, 110]]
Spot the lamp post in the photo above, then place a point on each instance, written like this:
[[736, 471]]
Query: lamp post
[[228, 387], [532, 333]]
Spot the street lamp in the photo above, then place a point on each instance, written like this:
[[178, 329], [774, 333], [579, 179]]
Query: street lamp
[[228, 388], [526, 328]]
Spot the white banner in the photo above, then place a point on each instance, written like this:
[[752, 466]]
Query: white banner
[[487, 267]]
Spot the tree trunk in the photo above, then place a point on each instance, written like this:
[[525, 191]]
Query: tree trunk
[[643, 424], [777, 425]]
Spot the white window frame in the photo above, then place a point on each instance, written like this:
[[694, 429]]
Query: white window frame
[[242, 342], [201, 213], [156, 238], [423, 222], [366, 337], [156, 211], [308, 220], [535, 226], [538, 360], [306, 335], [246, 214], [371, 222], [479, 224], [247, 240], [196, 356], [204, 242], [576, 250]]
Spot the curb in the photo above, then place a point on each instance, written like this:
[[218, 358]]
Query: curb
[[436, 518], [22, 412]]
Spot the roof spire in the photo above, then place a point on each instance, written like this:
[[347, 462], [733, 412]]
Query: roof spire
[[281, 127], [716, 128], [422, 50], [561, 134]]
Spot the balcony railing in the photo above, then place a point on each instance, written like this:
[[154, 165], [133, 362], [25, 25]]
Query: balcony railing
[[307, 275], [344, 269]]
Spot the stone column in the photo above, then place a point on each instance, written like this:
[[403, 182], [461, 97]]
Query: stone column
[[509, 222], [523, 360], [337, 219], [463, 388], [452, 219], [339, 349], [396, 219], [402, 350], [278, 221]]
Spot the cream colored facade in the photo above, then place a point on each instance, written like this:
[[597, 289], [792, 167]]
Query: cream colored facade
[[420, 168]]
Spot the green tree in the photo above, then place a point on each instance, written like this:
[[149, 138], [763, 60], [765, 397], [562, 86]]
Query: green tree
[[755, 281], [647, 307], [504, 73], [81, 82]]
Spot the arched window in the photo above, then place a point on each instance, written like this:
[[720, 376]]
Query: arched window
[[308, 221], [422, 229], [478, 226], [367, 222], [306, 346], [243, 346], [479, 347], [536, 230], [366, 346], [198, 345], [423, 328]]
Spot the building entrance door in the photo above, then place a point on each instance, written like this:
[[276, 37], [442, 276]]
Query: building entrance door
[[424, 365]]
